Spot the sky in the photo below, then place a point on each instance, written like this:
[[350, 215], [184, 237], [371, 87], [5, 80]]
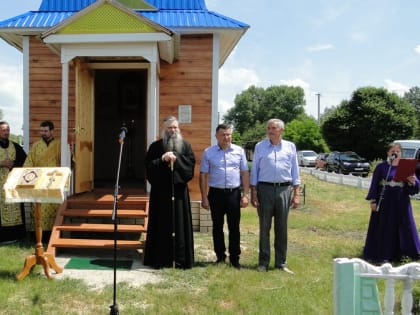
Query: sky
[[327, 47]]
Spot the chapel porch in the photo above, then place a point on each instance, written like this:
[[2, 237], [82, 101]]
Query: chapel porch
[[84, 221]]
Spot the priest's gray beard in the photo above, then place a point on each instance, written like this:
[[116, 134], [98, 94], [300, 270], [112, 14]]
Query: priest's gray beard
[[172, 142]]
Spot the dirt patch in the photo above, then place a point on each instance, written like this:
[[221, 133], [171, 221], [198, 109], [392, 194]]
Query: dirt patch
[[137, 276]]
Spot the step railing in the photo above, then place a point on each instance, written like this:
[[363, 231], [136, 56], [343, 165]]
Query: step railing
[[356, 287]]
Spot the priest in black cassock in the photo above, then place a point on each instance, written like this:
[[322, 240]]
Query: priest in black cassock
[[170, 165]]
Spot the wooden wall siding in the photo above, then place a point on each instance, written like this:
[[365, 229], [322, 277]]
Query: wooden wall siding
[[189, 82], [45, 89]]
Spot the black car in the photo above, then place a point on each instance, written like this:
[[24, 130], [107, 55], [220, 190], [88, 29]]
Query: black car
[[347, 163]]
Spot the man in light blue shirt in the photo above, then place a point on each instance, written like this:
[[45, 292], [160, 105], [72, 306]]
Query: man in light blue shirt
[[222, 171], [274, 176]]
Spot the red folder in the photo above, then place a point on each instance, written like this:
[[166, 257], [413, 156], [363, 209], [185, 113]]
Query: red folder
[[405, 168]]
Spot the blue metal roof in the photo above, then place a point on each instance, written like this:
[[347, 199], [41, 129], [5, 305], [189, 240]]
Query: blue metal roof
[[168, 19], [34, 19], [186, 18], [169, 15], [176, 15], [77, 5], [67, 5], [178, 4]]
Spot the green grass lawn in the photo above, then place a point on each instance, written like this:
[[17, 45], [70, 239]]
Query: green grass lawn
[[332, 223]]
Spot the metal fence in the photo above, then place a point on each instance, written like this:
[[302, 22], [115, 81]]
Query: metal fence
[[340, 179]]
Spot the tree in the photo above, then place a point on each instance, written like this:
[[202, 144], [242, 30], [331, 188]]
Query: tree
[[247, 105], [257, 105], [413, 97], [284, 102], [306, 134], [256, 133], [16, 138], [371, 119]]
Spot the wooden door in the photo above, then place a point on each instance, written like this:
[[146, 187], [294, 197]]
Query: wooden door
[[83, 156]]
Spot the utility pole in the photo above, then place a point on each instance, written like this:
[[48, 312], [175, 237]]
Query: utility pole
[[319, 107]]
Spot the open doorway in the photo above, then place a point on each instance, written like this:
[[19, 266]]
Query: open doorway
[[120, 100]]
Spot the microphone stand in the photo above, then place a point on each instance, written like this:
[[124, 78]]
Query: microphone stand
[[114, 306], [381, 196], [173, 214]]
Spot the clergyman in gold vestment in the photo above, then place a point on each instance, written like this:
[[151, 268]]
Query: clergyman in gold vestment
[[46, 152], [12, 217]]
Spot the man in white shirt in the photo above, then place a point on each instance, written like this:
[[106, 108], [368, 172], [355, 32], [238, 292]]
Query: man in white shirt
[[274, 177]]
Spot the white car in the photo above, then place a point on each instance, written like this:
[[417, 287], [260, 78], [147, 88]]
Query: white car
[[306, 158]]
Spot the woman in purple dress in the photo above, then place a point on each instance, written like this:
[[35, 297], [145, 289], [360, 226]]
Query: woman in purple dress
[[392, 232]]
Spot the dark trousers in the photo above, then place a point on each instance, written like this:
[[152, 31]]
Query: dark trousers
[[274, 202], [226, 202]]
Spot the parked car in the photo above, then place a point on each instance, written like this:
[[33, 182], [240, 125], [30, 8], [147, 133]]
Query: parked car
[[411, 150], [347, 163], [306, 157], [320, 161]]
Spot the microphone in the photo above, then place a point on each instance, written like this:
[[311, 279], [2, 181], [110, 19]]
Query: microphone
[[394, 156], [123, 133]]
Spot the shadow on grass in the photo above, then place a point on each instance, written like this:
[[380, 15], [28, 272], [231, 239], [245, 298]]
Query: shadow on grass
[[205, 264], [7, 275]]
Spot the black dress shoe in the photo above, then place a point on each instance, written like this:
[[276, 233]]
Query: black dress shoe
[[236, 265], [220, 261]]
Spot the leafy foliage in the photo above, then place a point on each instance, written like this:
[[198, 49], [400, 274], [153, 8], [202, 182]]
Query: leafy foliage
[[306, 134], [257, 133], [413, 97], [244, 114], [372, 118], [366, 123], [16, 138], [284, 102], [255, 106]]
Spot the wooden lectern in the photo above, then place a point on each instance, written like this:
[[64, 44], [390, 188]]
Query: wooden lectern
[[38, 185]]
